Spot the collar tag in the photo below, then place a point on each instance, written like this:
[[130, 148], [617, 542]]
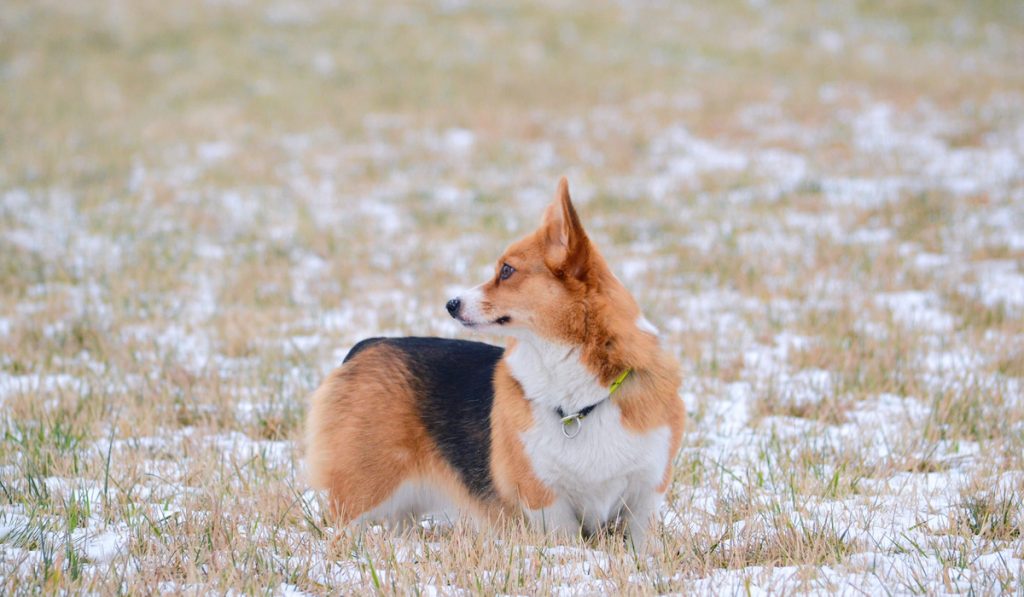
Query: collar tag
[[571, 425]]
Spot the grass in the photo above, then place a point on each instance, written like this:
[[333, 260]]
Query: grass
[[993, 517], [204, 204]]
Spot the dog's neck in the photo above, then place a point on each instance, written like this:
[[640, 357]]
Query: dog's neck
[[552, 374]]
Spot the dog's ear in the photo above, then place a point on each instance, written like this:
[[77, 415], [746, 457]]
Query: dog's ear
[[568, 248]]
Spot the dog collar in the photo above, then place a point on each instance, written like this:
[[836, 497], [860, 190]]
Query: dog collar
[[571, 424]]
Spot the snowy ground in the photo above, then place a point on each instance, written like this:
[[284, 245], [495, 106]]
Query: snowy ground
[[204, 205]]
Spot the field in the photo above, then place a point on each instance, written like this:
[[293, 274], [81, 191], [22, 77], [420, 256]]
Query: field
[[204, 205]]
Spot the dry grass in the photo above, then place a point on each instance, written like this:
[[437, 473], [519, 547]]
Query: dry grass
[[204, 204]]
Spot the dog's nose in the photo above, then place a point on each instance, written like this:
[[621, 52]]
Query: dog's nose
[[453, 306]]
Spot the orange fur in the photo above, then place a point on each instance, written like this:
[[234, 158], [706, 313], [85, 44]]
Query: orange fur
[[364, 437], [513, 474], [359, 461]]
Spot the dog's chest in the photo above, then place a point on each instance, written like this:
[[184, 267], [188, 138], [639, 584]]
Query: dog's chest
[[603, 456], [604, 460]]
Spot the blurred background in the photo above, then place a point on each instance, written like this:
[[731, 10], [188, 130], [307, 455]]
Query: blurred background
[[408, 141], [204, 204]]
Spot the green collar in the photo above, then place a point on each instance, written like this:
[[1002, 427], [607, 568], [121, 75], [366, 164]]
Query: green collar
[[618, 381], [571, 424]]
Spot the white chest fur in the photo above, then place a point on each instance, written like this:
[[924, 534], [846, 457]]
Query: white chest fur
[[605, 466], [602, 468]]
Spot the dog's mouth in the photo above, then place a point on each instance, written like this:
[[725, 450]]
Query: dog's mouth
[[504, 319]]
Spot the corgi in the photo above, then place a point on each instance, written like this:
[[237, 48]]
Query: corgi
[[573, 425]]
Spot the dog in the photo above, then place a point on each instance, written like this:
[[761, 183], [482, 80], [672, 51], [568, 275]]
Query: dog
[[573, 425]]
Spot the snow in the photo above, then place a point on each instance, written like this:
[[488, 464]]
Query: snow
[[214, 151], [104, 546], [459, 140], [42, 385], [917, 310], [999, 283]]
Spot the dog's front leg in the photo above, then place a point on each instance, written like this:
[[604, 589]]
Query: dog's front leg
[[638, 511], [559, 518]]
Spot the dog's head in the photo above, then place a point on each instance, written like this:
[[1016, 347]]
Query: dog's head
[[551, 283]]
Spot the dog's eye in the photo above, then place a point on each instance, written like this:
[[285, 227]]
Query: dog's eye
[[506, 271]]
